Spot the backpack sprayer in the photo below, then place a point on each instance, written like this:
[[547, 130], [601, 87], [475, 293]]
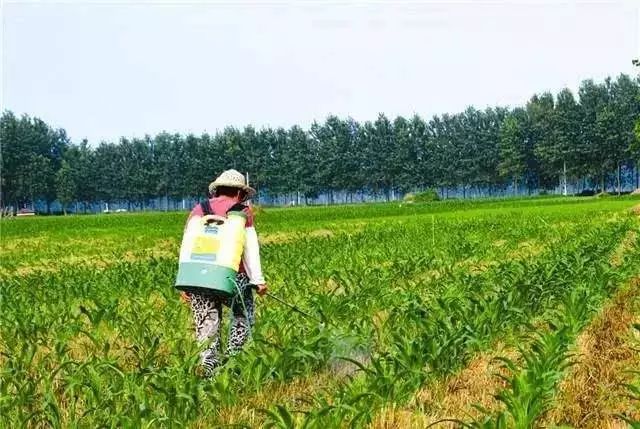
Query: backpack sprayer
[[211, 251]]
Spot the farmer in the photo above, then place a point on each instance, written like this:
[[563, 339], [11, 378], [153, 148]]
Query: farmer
[[227, 191]]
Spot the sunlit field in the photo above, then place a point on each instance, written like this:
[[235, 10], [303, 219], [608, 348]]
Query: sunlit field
[[499, 313]]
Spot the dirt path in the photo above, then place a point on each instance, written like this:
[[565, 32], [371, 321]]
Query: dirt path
[[592, 392], [453, 398]]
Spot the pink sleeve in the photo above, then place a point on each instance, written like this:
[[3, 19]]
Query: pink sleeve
[[196, 211]]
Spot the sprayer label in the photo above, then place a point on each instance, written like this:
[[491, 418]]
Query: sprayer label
[[205, 249], [203, 257], [211, 229]]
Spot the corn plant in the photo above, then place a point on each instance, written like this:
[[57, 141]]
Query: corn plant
[[92, 334]]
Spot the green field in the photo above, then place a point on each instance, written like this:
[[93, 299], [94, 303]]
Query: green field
[[420, 299]]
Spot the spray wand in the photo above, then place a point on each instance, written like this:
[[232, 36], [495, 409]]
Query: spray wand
[[291, 306], [345, 345]]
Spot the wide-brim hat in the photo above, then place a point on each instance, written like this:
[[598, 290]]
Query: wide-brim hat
[[232, 179]]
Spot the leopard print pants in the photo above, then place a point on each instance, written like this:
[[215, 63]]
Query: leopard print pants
[[207, 314]]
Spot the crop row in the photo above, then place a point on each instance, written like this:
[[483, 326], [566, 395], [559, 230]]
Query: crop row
[[407, 299]]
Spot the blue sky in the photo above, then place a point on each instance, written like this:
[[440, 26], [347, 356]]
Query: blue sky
[[104, 69]]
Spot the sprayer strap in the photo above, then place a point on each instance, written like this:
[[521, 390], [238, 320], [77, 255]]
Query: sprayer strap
[[238, 207], [206, 208]]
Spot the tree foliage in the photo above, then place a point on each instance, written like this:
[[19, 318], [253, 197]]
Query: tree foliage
[[590, 134]]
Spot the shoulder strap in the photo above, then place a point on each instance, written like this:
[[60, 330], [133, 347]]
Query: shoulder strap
[[238, 207], [206, 207]]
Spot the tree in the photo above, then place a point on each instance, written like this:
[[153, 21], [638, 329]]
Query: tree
[[419, 148], [465, 142], [404, 157], [58, 143], [304, 155], [256, 157], [66, 185], [540, 110], [591, 149], [11, 159], [624, 103], [512, 148], [379, 149], [440, 151], [557, 150], [109, 179], [85, 173], [488, 135], [635, 152], [164, 161], [35, 179], [590, 139]]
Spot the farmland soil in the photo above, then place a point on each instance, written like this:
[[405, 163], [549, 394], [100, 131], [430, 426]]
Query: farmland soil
[[593, 392]]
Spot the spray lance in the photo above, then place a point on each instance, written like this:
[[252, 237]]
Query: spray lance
[[346, 347], [291, 306]]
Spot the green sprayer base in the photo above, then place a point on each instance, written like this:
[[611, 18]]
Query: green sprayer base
[[194, 276]]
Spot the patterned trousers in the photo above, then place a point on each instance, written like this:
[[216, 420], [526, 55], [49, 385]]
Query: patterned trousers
[[207, 315]]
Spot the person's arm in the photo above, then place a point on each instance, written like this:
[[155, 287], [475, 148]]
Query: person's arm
[[196, 211], [251, 256]]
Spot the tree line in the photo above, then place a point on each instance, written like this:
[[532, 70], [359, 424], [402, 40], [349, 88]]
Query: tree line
[[552, 140]]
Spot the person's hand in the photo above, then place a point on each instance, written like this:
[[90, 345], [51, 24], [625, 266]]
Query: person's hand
[[262, 289], [185, 297]]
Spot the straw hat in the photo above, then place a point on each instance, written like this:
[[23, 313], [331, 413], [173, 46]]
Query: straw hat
[[232, 179]]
